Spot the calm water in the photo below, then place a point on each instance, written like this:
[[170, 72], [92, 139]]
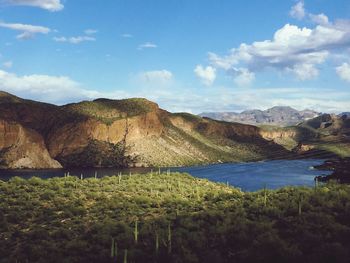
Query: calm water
[[247, 176]]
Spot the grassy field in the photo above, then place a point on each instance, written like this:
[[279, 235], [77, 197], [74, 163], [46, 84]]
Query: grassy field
[[170, 217]]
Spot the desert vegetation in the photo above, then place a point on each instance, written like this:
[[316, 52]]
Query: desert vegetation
[[170, 217]]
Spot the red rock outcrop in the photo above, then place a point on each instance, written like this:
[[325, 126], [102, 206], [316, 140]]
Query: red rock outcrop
[[23, 148]]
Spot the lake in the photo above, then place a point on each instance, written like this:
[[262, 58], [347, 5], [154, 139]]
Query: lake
[[247, 176]]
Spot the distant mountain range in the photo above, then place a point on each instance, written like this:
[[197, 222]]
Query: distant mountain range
[[279, 115]]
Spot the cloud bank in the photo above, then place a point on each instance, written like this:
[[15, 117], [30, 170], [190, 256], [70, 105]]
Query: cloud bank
[[299, 51], [27, 31], [50, 5]]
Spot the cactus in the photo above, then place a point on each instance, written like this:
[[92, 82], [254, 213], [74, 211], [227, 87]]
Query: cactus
[[169, 238], [300, 204], [136, 232], [157, 243], [114, 249], [125, 256]]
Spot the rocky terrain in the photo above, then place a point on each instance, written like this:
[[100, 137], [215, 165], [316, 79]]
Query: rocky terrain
[[326, 136], [340, 168], [281, 116], [114, 133]]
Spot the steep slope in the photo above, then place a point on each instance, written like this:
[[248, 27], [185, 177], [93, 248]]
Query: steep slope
[[123, 133], [281, 115], [322, 137], [21, 146]]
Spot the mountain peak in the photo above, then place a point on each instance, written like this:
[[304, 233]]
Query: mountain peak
[[277, 115]]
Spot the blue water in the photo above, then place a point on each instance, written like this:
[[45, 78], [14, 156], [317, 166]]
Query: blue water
[[254, 176], [247, 176]]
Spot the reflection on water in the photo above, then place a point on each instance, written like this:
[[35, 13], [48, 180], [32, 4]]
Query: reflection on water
[[247, 176]]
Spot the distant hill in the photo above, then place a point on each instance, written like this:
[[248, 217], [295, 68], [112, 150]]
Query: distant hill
[[119, 133], [279, 115], [346, 114], [325, 136]]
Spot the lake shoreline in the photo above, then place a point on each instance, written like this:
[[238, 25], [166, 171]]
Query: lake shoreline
[[248, 176]]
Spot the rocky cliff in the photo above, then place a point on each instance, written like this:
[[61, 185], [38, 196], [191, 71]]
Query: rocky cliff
[[120, 133], [22, 147], [325, 136]]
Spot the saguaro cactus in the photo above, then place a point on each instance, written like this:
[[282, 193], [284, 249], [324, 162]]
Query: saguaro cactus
[[300, 204], [125, 256], [136, 232], [169, 238], [157, 243], [114, 249]]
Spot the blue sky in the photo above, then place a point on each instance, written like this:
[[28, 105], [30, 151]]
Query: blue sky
[[187, 55]]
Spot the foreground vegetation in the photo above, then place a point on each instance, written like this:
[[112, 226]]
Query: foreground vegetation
[[170, 218]]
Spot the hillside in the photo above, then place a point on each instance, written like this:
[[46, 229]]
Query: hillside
[[325, 136], [131, 132], [170, 218], [279, 115]]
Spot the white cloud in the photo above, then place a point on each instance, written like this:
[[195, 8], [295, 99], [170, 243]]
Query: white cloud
[[343, 71], [90, 31], [51, 5], [243, 77], [52, 89], [147, 45], [28, 31], [292, 49], [298, 11], [126, 35], [8, 64], [156, 78], [225, 99], [320, 19], [62, 89], [74, 40], [206, 75], [304, 71]]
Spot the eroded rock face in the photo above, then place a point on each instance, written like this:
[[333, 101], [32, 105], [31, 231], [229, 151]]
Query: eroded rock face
[[23, 148], [279, 134], [303, 148], [73, 138]]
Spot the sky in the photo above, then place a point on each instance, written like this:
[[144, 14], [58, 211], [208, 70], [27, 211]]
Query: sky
[[186, 55]]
